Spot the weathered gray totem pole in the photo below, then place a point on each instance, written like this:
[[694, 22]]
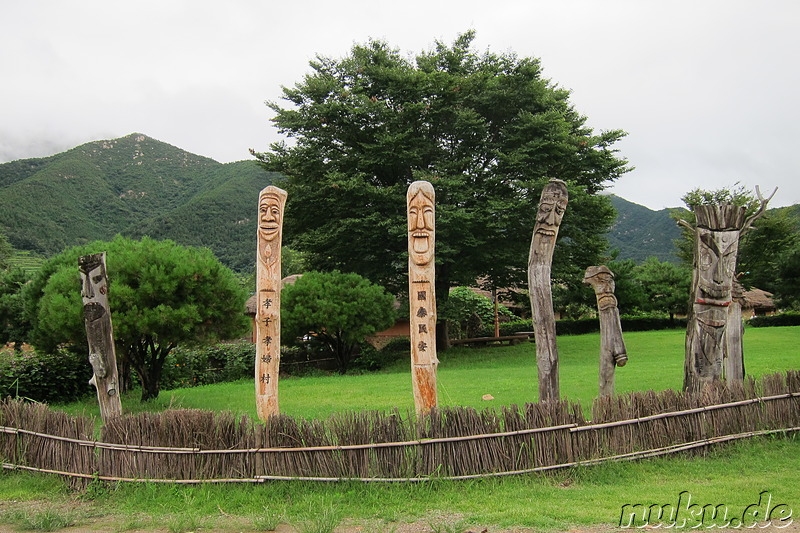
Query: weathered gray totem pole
[[422, 294], [271, 202], [612, 345], [100, 334], [552, 205], [708, 339]]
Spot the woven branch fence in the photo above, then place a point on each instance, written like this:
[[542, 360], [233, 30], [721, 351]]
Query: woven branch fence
[[192, 446]]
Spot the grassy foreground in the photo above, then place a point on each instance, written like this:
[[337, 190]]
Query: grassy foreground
[[734, 476]]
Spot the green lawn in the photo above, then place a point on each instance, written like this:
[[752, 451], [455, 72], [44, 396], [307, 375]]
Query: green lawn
[[466, 374], [734, 475]]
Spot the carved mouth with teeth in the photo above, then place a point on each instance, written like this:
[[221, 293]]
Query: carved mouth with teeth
[[546, 232], [421, 241]]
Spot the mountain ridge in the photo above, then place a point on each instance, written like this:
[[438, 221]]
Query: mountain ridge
[[136, 185]]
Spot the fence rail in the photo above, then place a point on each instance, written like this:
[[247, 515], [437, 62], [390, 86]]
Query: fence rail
[[190, 446]]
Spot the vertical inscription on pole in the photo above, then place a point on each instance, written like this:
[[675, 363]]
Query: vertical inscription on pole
[[552, 205], [99, 333], [271, 202], [421, 294]]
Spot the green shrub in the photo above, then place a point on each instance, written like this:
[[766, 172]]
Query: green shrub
[[789, 318], [51, 378], [215, 363]]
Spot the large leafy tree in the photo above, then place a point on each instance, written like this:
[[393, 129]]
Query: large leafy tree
[[337, 309], [486, 129], [161, 294], [667, 286]]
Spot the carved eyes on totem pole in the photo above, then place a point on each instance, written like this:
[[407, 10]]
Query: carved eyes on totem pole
[[269, 216], [716, 264], [421, 222], [552, 205]]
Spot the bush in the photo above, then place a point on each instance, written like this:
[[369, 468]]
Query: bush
[[790, 318], [52, 378], [193, 366]]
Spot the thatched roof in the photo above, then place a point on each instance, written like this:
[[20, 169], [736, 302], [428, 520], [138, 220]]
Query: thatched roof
[[758, 299], [250, 305]]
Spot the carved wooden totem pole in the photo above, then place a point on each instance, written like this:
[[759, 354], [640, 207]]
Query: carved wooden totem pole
[[612, 345], [421, 294], [708, 344], [100, 334], [552, 205], [271, 202]]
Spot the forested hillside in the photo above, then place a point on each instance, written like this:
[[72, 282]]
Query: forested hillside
[[134, 185], [139, 186], [640, 232]]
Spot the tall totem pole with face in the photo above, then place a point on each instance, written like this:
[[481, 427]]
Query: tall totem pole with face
[[716, 244], [271, 202], [100, 334], [421, 294], [552, 205]]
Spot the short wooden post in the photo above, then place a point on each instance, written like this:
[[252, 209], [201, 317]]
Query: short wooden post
[[552, 205], [100, 334], [271, 203], [612, 345], [422, 294]]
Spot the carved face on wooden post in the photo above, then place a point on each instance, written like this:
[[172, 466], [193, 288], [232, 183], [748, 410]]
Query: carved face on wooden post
[[421, 222], [552, 205], [270, 222], [602, 280]]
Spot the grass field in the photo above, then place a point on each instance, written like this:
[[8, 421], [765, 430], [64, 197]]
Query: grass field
[[733, 476], [466, 374]]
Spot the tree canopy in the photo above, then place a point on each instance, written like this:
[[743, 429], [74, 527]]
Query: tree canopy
[[161, 294], [338, 309], [488, 130]]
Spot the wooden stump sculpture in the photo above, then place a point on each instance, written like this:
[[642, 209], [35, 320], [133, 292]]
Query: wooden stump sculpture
[[716, 244], [271, 202], [100, 334], [552, 205], [612, 345], [421, 294]]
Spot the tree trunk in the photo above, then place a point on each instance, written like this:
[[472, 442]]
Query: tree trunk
[[552, 205], [100, 334], [422, 295], [268, 287]]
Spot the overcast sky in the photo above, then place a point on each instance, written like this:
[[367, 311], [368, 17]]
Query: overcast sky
[[707, 90]]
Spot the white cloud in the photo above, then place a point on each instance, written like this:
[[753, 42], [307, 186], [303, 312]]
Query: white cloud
[[706, 89]]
